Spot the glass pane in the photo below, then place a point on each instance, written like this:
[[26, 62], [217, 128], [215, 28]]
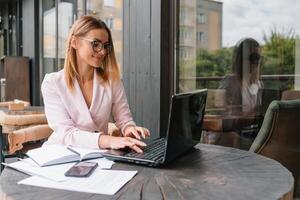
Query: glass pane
[[199, 31], [111, 12], [49, 36], [1, 37], [65, 21], [246, 53], [80, 11], [14, 31]]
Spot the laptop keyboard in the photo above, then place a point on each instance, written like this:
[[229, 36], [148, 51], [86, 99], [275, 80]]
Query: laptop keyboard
[[152, 151]]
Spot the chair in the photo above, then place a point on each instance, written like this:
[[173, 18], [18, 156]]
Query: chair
[[18, 138], [279, 136], [17, 142], [13, 120], [268, 95], [290, 95]]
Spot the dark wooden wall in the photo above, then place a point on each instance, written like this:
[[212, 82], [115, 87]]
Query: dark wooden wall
[[141, 64], [15, 69]]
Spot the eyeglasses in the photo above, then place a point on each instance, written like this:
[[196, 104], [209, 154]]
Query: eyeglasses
[[254, 58], [98, 46]]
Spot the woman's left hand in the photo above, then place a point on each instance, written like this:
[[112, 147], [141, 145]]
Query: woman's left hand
[[136, 132]]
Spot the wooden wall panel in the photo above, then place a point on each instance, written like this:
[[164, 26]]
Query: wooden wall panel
[[141, 64]]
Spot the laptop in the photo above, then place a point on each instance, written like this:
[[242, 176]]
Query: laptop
[[183, 132]]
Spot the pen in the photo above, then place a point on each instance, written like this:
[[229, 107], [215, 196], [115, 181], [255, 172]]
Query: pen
[[69, 148]]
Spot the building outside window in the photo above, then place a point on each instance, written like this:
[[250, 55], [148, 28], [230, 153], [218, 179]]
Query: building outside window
[[200, 18], [198, 25], [200, 36], [49, 37], [109, 22], [182, 14], [66, 17], [110, 3]]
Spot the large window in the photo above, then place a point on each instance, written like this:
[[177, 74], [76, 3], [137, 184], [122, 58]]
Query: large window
[[246, 53], [66, 17], [226, 24], [10, 28], [49, 36]]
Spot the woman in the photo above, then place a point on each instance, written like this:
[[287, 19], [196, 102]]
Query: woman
[[243, 87], [80, 99]]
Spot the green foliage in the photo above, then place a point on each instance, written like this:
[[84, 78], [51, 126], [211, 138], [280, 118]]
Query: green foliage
[[215, 63], [278, 52], [279, 57]]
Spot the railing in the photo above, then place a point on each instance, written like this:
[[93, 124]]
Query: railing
[[204, 81]]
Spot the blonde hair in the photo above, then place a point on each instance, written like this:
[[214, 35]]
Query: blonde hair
[[80, 28]]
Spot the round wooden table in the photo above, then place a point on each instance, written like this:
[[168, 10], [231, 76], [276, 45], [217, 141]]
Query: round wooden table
[[207, 172]]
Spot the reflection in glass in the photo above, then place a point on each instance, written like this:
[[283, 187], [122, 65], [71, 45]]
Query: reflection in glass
[[200, 24], [80, 11], [207, 36], [65, 21], [242, 86]]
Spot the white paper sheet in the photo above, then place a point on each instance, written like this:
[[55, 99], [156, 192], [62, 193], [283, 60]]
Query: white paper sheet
[[53, 172], [100, 182], [103, 163], [29, 167]]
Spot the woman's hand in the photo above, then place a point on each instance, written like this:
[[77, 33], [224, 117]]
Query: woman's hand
[[136, 132], [106, 141]]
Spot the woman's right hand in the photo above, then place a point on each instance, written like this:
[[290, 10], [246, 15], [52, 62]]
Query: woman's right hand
[[112, 142]]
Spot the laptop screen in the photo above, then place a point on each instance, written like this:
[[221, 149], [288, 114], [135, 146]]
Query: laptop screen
[[185, 122]]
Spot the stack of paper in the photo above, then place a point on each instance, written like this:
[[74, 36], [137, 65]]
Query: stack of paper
[[101, 181], [53, 172]]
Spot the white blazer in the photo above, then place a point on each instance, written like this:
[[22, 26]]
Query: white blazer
[[70, 118]]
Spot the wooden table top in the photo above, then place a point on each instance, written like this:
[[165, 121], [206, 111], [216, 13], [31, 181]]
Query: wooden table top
[[207, 172]]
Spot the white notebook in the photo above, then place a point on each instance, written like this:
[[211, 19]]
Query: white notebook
[[57, 154]]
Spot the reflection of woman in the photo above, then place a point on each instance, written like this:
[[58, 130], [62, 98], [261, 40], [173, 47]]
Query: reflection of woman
[[243, 86], [80, 98]]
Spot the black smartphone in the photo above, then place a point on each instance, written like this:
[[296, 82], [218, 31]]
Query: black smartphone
[[81, 169]]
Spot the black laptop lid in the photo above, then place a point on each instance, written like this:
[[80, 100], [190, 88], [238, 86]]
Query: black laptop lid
[[185, 122]]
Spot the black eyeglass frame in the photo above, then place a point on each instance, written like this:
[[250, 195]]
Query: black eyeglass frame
[[94, 43]]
